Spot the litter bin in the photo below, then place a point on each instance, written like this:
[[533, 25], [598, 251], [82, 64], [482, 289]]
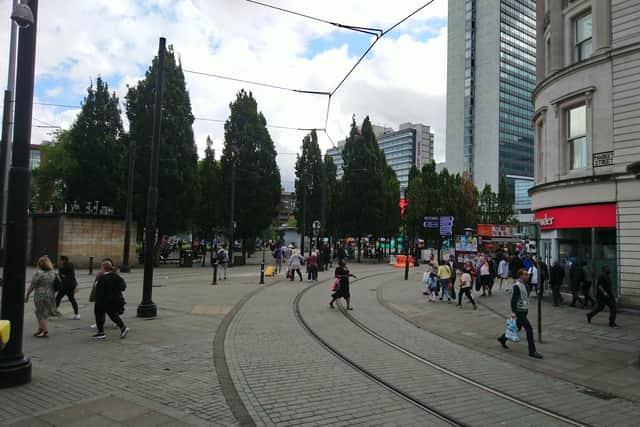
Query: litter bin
[[186, 258]]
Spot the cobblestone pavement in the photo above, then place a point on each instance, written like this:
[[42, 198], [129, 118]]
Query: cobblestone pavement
[[286, 378], [505, 373], [594, 356], [162, 372]]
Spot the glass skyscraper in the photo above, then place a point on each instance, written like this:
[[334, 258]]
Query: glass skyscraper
[[490, 80]]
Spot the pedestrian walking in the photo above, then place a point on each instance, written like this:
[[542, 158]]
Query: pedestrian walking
[[223, 260], [326, 257], [556, 277], [576, 276], [532, 285], [519, 311], [465, 286], [42, 286], [342, 254], [485, 277], [341, 290], [543, 276], [68, 285], [503, 271], [109, 300], [430, 280], [604, 296], [277, 256], [444, 277], [312, 267], [587, 285], [295, 263]]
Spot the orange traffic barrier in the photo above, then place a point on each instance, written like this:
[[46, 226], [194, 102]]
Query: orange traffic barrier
[[401, 261]]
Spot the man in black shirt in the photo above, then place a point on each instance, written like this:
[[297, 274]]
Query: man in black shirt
[[604, 297]]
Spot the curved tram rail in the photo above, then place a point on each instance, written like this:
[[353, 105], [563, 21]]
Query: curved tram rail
[[412, 399]]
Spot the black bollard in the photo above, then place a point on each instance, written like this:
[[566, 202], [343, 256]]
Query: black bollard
[[262, 273], [90, 265], [215, 273]]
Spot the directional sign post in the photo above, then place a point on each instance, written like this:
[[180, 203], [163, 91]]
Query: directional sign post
[[446, 225], [431, 222]]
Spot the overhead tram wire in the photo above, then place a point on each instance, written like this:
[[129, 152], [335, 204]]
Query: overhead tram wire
[[203, 119], [251, 82], [366, 30]]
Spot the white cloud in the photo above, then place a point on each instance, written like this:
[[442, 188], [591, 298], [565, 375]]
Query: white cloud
[[402, 79]]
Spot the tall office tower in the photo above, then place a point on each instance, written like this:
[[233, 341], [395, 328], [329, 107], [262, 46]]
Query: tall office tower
[[491, 74]]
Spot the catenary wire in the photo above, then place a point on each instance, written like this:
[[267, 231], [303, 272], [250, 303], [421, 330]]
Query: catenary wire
[[203, 119], [219, 76], [366, 30]]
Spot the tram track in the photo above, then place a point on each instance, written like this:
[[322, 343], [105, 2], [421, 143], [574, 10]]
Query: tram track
[[396, 389]]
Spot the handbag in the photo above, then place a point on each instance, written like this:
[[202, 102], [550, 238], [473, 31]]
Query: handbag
[[511, 331], [57, 283]]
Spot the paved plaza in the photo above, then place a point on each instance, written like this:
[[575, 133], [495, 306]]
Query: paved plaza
[[238, 354]]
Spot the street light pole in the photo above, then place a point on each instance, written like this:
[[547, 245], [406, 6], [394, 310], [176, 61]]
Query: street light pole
[[15, 368], [323, 217], [147, 308], [125, 268], [7, 134], [262, 266]]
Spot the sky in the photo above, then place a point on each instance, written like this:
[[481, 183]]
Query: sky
[[402, 79]]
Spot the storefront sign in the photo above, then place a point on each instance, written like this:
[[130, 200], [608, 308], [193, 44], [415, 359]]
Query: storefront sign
[[466, 244], [587, 216], [604, 158], [496, 230]]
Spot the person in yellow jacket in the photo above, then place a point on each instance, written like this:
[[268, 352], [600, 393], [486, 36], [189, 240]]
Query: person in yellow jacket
[[444, 277]]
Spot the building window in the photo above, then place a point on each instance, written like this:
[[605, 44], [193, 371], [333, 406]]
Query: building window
[[583, 37], [577, 137]]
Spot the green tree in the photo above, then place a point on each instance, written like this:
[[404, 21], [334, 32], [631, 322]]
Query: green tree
[[48, 183], [248, 143], [308, 183], [467, 211], [505, 211], [208, 215], [333, 197], [178, 169], [416, 196], [488, 205]]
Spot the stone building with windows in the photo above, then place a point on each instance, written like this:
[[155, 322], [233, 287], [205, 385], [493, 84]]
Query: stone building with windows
[[587, 131]]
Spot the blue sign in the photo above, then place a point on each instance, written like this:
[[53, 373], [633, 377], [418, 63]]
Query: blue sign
[[446, 225], [430, 222]]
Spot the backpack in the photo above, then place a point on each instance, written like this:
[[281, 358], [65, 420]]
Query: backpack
[[222, 256]]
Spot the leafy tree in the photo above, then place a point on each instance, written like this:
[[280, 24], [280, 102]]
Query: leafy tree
[[178, 169], [308, 183], [416, 196], [208, 215], [505, 211], [248, 143], [48, 184], [333, 197], [488, 205], [467, 210]]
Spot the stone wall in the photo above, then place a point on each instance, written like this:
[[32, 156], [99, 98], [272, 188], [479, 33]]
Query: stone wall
[[80, 237]]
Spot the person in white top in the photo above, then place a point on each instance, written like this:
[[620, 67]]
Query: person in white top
[[503, 271], [532, 286]]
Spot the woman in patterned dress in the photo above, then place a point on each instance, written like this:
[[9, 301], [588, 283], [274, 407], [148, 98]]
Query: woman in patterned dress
[[42, 287]]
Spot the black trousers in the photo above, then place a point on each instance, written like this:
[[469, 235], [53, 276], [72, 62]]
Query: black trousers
[[522, 321], [575, 287], [609, 302], [467, 292], [586, 291], [293, 274], [100, 318], [555, 290], [70, 294]]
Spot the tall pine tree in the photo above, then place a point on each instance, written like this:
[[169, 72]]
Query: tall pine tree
[[257, 185], [177, 176], [308, 184], [209, 212]]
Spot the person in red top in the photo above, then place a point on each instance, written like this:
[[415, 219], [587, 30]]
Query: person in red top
[[312, 267]]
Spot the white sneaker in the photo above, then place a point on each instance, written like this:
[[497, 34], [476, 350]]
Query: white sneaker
[[124, 332], [75, 316], [94, 326]]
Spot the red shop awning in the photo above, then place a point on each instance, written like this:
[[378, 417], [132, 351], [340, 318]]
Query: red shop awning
[[586, 216]]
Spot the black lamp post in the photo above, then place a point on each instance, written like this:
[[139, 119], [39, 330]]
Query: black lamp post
[[125, 268], [147, 308], [15, 368], [232, 208], [262, 266]]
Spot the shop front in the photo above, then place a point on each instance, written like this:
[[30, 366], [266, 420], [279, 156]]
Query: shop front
[[580, 234]]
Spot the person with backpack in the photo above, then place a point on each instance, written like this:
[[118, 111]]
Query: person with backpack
[[223, 260], [277, 256], [294, 264], [556, 277]]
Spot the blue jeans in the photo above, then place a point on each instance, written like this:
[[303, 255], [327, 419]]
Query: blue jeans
[[444, 285]]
